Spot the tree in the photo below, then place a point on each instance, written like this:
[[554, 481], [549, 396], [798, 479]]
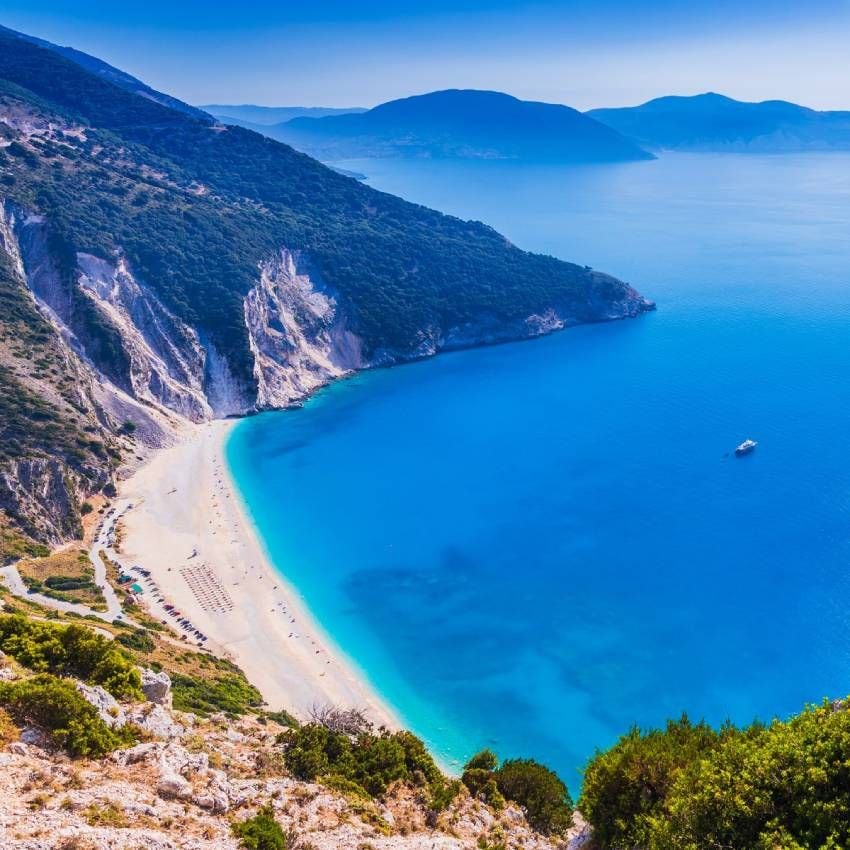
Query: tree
[[544, 797]]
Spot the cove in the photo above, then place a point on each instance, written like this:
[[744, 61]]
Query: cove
[[534, 546]]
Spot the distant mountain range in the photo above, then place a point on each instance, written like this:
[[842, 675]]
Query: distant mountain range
[[712, 122], [249, 115], [463, 124]]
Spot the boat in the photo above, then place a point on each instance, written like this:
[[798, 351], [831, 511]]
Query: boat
[[745, 448]]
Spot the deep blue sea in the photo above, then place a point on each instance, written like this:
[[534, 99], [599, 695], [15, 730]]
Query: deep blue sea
[[535, 546]]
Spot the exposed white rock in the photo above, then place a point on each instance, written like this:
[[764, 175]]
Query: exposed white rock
[[154, 718], [166, 357], [108, 709], [156, 686], [172, 786], [297, 331]]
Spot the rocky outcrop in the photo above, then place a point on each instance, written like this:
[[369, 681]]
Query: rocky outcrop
[[297, 331], [41, 494], [166, 358], [206, 779], [156, 687], [108, 708]]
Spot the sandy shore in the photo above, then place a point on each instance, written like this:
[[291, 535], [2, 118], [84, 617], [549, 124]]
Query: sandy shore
[[184, 502]]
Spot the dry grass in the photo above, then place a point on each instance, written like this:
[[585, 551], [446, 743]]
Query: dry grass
[[8, 731], [69, 563], [73, 563]]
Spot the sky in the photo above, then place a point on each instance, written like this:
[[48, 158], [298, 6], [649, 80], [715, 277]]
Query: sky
[[584, 53]]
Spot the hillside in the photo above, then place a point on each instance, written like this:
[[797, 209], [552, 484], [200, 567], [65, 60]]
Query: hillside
[[182, 270], [463, 124], [108, 72], [712, 122]]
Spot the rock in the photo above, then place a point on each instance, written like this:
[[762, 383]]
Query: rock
[[19, 748], [172, 786], [34, 737], [156, 687], [140, 752], [108, 709], [156, 720], [176, 759]]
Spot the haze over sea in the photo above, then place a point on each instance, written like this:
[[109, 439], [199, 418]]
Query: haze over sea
[[534, 546]]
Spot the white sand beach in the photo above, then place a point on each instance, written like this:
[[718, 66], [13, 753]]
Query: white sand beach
[[184, 502]]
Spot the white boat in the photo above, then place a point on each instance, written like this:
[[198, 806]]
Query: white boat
[[746, 447]]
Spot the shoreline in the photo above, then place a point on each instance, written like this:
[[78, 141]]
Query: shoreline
[[184, 501]]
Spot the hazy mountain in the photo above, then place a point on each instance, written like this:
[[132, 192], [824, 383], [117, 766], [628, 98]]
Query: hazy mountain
[[249, 115], [157, 268], [714, 122], [463, 124], [108, 72]]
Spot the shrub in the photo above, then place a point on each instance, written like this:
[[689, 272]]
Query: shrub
[[57, 707], [626, 787], [137, 639], [86, 508], [783, 786], [69, 651], [228, 692], [539, 791], [370, 761], [261, 832]]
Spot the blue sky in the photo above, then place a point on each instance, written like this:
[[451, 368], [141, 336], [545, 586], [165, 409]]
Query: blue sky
[[580, 52]]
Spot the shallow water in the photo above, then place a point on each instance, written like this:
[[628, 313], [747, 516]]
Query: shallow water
[[534, 546]]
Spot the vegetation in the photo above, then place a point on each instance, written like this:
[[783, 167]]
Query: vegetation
[[538, 790], [70, 650], [364, 762], [14, 544], [195, 208], [260, 832], [786, 785], [42, 413], [56, 707], [225, 691], [67, 576]]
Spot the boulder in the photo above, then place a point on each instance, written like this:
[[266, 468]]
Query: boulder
[[140, 752], [172, 786], [156, 687], [156, 720], [108, 709]]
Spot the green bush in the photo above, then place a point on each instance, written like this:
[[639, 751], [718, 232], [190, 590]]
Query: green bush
[[55, 706], [261, 832], [369, 761], [227, 692], [137, 639], [626, 787], [538, 790], [69, 651], [785, 786], [543, 796]]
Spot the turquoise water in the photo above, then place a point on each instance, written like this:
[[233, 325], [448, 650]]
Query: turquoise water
[[534, 546]]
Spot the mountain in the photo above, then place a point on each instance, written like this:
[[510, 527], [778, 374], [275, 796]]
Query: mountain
[[157, 268], [249, 115], [114, 75], [714, 122], [463, 124]]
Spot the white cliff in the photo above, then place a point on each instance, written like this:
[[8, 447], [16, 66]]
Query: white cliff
[[298, 333]]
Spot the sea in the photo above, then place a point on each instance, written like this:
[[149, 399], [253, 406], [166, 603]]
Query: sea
[[536, 546]]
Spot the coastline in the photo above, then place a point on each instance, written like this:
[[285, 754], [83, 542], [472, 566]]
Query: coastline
[[184, 500]]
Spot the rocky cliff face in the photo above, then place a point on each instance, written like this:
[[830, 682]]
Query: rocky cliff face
[[156, 371], [298, 332]]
